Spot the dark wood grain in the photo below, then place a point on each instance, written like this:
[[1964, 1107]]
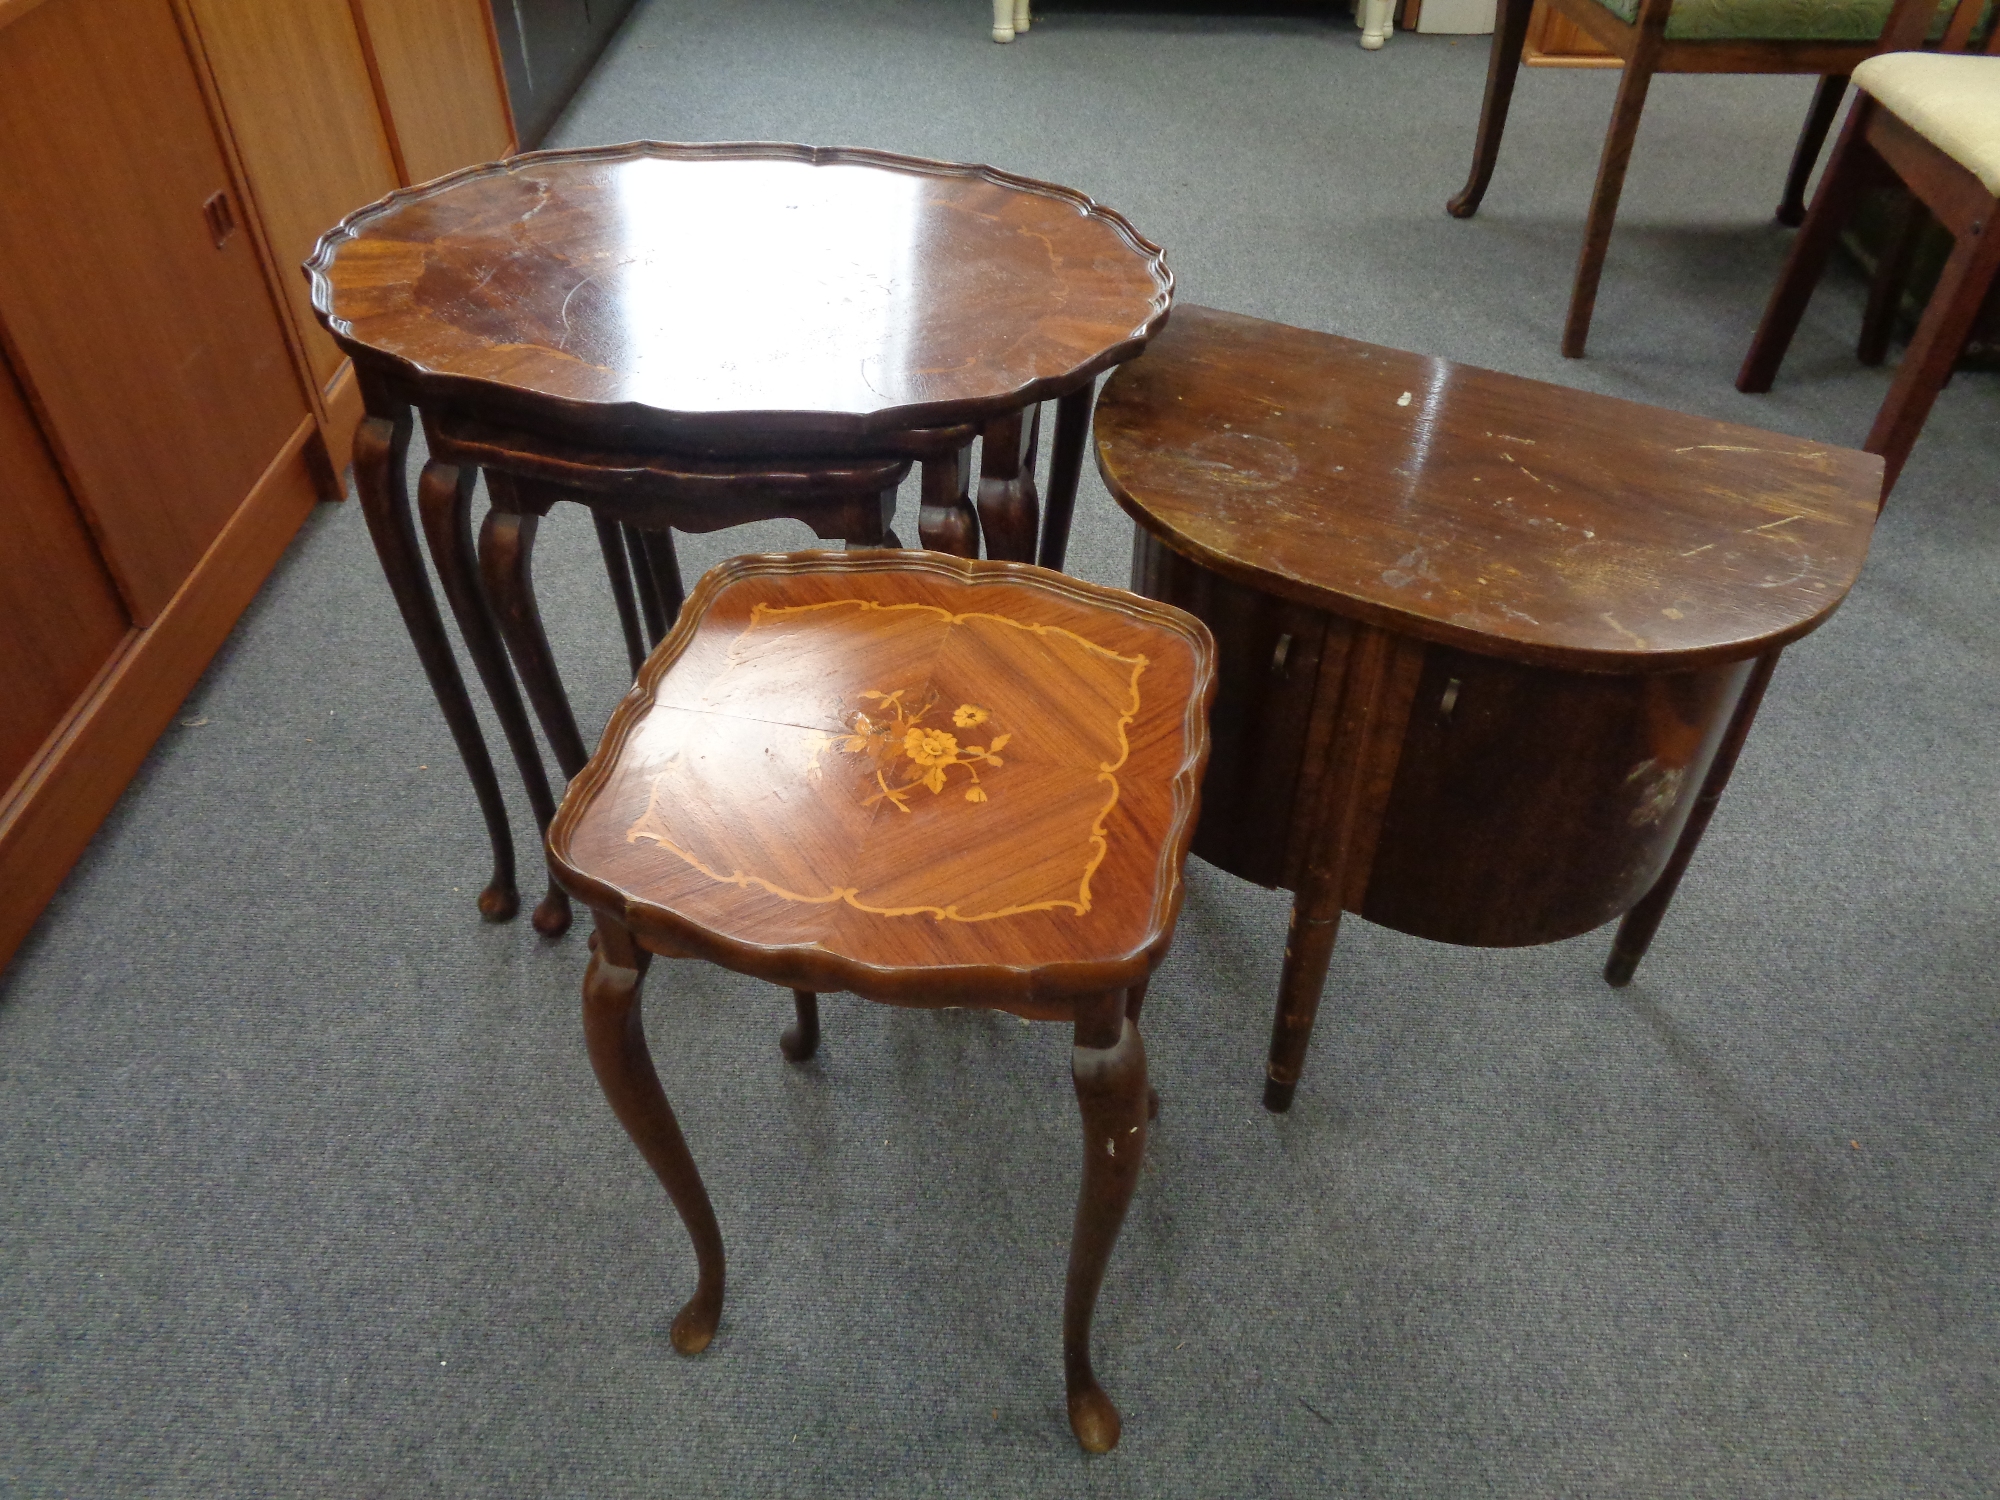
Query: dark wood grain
[[666, 295], [1485, 511], [1487, 647], [928, 780]]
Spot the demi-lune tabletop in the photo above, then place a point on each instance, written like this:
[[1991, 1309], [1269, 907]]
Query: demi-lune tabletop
[[678, 292], [1457, 505], [908, 775]]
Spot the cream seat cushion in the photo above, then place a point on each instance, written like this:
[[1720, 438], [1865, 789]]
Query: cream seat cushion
[[1952, 100]]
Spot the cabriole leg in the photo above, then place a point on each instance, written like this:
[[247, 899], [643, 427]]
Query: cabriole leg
[[506, 557], [1108, 1066], [617, 1038], [801, 1039], [1065, 469], [1010, 510], [444, 496], [947, 521], [381, 451], [611, 542]]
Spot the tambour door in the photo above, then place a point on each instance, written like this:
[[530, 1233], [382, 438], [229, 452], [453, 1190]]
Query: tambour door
[[130, 293]]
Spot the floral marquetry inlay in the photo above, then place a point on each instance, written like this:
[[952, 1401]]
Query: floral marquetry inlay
[[895, 734], [934, 732]]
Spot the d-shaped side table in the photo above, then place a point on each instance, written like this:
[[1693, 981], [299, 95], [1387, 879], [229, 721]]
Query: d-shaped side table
[[773, 307], [925, 780], [1489, 647]]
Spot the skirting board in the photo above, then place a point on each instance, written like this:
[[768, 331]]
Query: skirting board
[[56, 805]]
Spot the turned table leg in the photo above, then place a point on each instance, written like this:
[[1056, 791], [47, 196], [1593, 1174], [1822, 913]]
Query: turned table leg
[[617, 1039], [1009, 508], [947, 521], [381, 451], [444, 496], [1108, 1066]]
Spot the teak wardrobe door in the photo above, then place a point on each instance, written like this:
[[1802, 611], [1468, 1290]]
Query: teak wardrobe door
[[60, 620], [295, 85], [130, 294], [441, 87]]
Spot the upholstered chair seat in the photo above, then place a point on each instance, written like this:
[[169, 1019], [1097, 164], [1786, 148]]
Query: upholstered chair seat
[[1950, 99]]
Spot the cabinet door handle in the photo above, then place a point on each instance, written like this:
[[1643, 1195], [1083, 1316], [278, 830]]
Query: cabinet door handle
[[220, 217]]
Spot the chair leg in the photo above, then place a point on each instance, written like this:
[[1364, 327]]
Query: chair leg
[[1892, 273], [1108, 1066], [1935, 347], [1812, 135], [1624, 130], [617, 1038], [611, 542], [381, 448], [1853, 167], [1635, 933], [1503, 64], [444, 496]]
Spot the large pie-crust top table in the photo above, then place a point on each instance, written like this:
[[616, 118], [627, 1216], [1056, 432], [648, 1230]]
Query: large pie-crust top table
[[784, 309]]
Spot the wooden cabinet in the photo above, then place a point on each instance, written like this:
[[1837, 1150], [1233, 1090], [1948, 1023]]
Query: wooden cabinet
[[145, 329], [169, 408], [548, 46], [436, 67]]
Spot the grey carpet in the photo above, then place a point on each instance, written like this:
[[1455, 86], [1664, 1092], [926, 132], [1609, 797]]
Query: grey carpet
[[309, 1189]]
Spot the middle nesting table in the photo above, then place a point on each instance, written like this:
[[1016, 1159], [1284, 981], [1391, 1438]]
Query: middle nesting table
[[765, 309]]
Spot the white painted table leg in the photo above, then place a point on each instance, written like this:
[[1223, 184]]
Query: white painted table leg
[[1021, 16], [1003, 20], [1377, 17]]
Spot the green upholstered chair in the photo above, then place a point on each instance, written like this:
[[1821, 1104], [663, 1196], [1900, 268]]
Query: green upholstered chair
[[1929, 122], [1827, 37]]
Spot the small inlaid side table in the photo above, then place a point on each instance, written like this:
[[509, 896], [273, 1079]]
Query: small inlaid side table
[[925, 780], [764, 307], [1489, 647]]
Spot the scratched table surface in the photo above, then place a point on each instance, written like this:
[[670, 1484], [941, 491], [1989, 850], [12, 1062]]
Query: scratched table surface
[[1476, 509], [658, 290]]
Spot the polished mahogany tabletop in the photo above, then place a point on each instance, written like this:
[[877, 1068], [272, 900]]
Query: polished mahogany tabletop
[[662, 292], [912, 776], [1475, 509]]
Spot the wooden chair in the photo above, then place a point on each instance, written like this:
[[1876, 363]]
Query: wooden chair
[[1929, 121], [1676, 36], [808, 786]]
